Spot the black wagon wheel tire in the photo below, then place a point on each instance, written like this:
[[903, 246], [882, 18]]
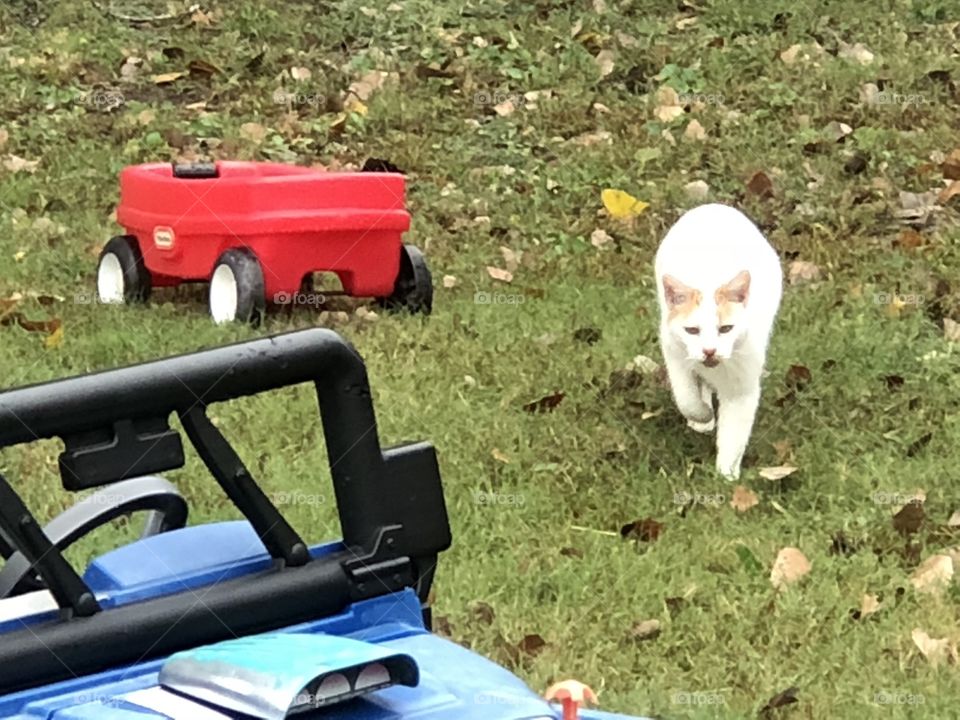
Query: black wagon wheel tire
[[237, 291], [413, 290], [122, 276]]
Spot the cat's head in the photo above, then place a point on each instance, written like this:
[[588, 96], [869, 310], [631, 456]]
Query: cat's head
[[707, 323]]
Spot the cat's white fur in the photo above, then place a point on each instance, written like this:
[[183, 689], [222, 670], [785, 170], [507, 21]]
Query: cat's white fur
[[701, 285]]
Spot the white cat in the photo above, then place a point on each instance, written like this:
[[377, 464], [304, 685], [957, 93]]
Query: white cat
[[719, 284]]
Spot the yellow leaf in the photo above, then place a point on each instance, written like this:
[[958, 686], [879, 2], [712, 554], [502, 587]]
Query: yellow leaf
[[167, 78], [54, 339], [622, 205]]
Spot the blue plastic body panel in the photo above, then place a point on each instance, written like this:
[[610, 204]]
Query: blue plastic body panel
[[454, 683]]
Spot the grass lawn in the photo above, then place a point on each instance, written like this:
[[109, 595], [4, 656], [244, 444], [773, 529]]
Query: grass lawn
[[510, 118]]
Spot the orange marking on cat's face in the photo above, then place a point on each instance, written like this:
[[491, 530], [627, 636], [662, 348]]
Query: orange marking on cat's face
[[732, 297], [681, 299]]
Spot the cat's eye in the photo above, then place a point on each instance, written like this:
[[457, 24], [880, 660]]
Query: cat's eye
[[692, 330], [725, 329]]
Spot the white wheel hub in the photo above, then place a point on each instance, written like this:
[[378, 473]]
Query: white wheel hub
[[110, 282], [223, 295]]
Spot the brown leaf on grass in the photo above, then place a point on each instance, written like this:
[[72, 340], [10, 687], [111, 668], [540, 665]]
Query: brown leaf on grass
[[909, 518], [743, 499], [571, 552], [760, 185], [933, 575], [949, 192], [548, 403], [694, 131], [449, 281], [4, 137], [43, 326], [802, 271], [790, 565], [954, 520], [499, 456], [499, 274], [531, 645], [588, 335], [781, 699], [798, 376], [600, 238], [483, 612], [645, 629], [778, 472], [442, 626], [202, 68], [951, 165], [908, 239], [646, 530], [935, 650], [668, 105], [255, 132], [54, 339], [16, 164]]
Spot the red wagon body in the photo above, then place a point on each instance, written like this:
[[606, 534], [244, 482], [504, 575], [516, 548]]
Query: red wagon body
[[291, 221]]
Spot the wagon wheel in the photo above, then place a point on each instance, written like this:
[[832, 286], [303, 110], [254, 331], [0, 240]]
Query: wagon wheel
[[121, 275], [236, 288], [413, 290]]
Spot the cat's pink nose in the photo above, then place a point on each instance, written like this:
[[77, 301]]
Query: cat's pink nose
[[709, 352]]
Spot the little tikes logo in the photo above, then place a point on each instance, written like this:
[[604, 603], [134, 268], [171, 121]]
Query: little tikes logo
[[163, 237]]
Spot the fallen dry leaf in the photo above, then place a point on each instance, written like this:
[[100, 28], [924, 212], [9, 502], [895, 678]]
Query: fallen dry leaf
[[532, 645], [909, 518], [300, 73], [548, 403], [760, 185], [600, 238], [949, 192], [368, 83], [791, 565], [694, 131], [54, 339], [950, 165], [781, 699], [605, 62], [933, 575], [743, 499], [857, 52], [951, 330], [499, 456], [789, 56], [936, 651], [784, 450], [646, 530], [499, 274], [837, 131], [511, 258], [954, 520], [697, 190], [167, 78], [622, 205], [645, 629], [668, 105], [908, 239], [802, 271], [4, 137], [449, 281], [777, 473], [869, 605], [505, 109], [17, 164]]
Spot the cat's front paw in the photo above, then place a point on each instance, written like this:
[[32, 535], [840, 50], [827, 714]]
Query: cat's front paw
[[702, 427]]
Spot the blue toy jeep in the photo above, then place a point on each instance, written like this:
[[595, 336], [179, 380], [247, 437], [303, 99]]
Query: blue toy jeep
[[237, 619]]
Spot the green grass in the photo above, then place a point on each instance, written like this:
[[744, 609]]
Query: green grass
[[728, 641]]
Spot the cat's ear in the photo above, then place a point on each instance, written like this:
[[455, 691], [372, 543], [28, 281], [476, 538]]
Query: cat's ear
[[737, 290], [676, 292]]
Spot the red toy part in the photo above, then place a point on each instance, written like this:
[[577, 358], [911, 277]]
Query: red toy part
[[571, 694], [256, 231]]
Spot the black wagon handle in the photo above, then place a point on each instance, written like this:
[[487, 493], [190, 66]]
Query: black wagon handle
[[114, 423]]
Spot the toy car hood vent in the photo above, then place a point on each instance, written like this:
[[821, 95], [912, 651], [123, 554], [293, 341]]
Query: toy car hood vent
[[280, 675]]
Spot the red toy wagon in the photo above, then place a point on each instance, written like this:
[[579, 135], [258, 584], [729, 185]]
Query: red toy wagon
[[257, 231]]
